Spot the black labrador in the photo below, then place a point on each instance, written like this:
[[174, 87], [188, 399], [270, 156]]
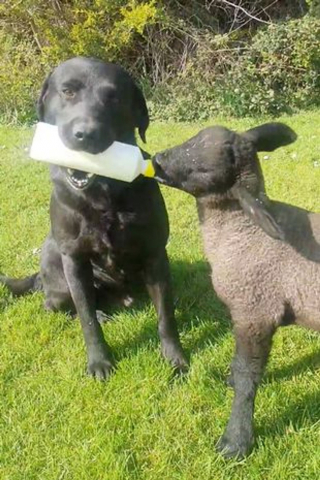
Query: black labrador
[[105, 233]]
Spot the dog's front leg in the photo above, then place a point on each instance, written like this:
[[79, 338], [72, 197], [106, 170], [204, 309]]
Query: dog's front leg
[[158, 282], [80, 281]]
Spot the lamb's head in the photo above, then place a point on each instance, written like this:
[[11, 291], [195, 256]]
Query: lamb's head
[[223, 164]]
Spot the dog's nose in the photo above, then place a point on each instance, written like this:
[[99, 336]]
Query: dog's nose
[[83, 133], [79, 135], [87, 136]]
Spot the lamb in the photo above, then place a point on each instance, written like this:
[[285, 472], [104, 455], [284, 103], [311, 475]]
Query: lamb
[[264, 254]]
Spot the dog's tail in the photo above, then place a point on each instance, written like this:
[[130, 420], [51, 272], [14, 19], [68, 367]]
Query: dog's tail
[[21, 286]]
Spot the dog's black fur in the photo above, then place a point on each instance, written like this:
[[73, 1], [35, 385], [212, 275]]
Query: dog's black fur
[[104, 233]]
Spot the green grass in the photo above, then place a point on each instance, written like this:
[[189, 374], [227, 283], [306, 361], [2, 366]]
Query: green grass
[[143, 424]]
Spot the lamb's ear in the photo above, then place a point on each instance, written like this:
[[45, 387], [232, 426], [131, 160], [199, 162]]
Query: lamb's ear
[[42, 97], [258, 212], [140, 112], [270, 136]]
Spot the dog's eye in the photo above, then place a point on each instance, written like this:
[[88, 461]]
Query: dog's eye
[[112, 97], [68, 93], [114, 100]]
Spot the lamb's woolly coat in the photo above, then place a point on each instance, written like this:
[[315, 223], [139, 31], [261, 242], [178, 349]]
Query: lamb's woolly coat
[[261, 279], [264, 255]]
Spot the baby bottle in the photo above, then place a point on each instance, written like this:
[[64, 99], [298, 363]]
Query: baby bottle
[[120, 161]]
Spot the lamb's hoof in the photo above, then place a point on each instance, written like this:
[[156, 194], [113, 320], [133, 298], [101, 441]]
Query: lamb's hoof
[[234, 448]]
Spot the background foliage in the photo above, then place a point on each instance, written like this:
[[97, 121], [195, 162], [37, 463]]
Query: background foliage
[[193, 58]]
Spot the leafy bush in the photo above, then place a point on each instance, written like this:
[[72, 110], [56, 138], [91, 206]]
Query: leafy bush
[[280, 70], [276, 71], [192, 62], [20, 73], [314, 8], [37, 34]]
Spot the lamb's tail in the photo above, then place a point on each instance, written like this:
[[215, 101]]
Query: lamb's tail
[[21, 286]]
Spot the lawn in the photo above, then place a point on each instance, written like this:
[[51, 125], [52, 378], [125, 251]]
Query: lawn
[[144, 424]]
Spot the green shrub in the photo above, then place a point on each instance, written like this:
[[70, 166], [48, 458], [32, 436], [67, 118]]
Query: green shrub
[[37, 35], [190, 66], [20, 74], [314, 8], [277, 71], [280, 70]]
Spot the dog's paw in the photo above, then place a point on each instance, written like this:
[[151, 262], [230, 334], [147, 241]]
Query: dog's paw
[[100, 369], [103, 317], [235, 447], [127, 301], [175, 355]]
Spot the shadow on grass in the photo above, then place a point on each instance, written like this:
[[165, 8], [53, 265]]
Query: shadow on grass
[[202, 318], [310, 362], [295, 416]]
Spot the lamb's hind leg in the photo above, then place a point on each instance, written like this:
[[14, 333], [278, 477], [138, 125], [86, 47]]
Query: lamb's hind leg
[[253, 344]]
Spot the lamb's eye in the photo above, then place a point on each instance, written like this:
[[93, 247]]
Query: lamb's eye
[[68, 93]]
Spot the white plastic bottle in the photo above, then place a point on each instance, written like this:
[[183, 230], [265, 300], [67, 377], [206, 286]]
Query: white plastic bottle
[[119, 161]]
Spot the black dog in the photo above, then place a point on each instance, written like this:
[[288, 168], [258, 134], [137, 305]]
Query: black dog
[[104, 233]]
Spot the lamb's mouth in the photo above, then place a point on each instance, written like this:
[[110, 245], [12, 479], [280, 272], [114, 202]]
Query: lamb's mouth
[[160, 174], [163, 178], [79, 180]]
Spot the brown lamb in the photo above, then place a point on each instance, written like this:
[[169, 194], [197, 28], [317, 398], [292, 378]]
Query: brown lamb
[[264, 254]]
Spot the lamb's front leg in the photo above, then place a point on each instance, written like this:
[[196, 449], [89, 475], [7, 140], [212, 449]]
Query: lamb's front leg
[[253, 344]]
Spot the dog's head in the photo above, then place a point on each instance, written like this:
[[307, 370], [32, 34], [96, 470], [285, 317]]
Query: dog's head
[[93, 104], [224, 164]]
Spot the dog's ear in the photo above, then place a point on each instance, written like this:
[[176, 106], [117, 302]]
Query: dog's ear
[[140, 112], [42, 97], [270, 136], [257, 210]]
